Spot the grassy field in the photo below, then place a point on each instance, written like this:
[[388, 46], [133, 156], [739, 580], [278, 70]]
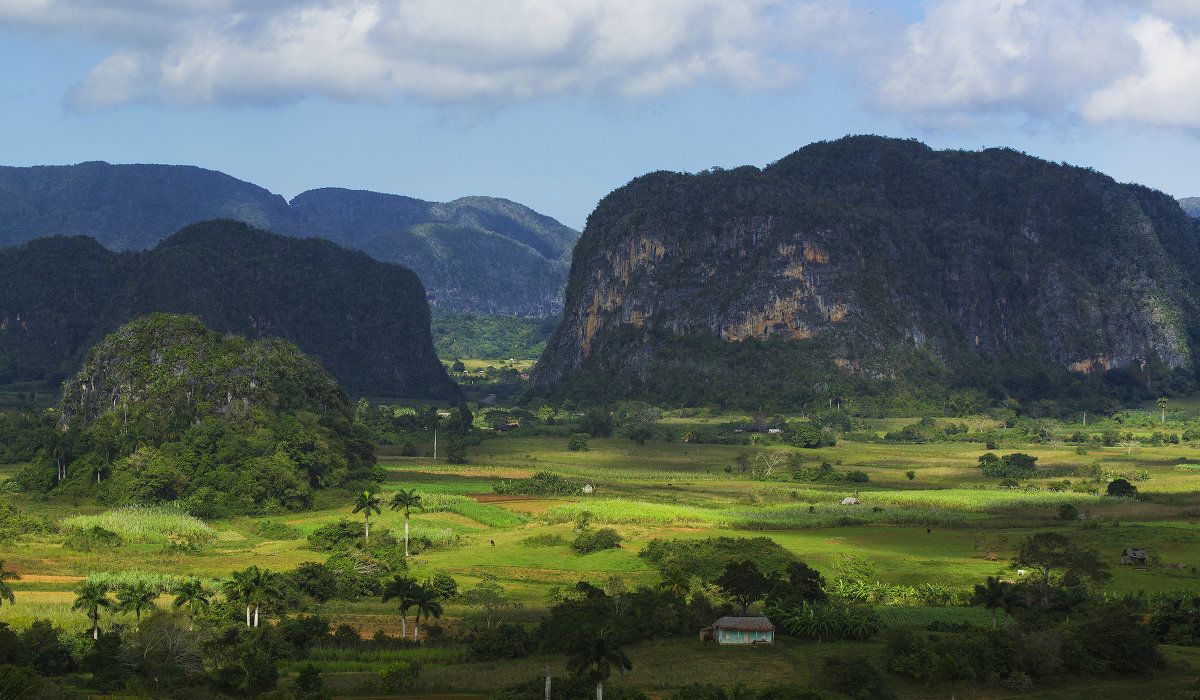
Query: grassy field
[[914, 531]]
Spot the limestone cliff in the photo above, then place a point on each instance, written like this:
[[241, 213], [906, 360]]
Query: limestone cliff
[[875, 257]]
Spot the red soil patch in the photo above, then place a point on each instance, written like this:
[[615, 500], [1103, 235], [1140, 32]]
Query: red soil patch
[[505, 498]]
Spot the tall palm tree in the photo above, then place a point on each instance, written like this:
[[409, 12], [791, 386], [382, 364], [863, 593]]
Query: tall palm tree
[[255, 588], [407, 500], [195, 595], [237, 589], [367, 502], [599, 654], [995, 595], [56, 446], [6, 591], [427, 605], [404, 591], [90, 596], [137, 596]]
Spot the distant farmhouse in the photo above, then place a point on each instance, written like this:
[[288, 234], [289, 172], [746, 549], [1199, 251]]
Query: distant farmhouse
[[1136, 557], [741, 630]]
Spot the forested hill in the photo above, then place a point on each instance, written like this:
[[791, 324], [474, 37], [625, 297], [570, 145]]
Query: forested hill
[[872, 262], [1191, 205], [367, 321], [475, 254]]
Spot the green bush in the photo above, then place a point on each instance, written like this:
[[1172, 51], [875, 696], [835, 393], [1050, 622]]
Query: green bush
[[540, 484], [276, 530], [85, 540], [578, 442], [596, 540]]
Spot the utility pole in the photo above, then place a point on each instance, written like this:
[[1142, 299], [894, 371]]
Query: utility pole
[[435, 443]]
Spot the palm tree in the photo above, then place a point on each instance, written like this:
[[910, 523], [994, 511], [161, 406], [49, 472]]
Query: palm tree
[[404, 591], [1162, 404], [6, 591], [676, 582], [237, 589], [255, 588], [57, 447], [137, 596], [192, 593], [367, 502], [996, 594], [407, 500], [90, 596], [427, 604], [601, 651]]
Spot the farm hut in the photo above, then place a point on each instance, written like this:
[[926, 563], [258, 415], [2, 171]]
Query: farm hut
[[1136, 557], [850, 501], [744, 630]]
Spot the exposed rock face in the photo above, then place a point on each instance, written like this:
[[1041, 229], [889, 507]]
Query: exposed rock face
[[476, 254], [874, 252]]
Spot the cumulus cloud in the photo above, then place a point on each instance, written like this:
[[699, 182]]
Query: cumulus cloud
[[1164, 88], [1098, 60], [962, 62], [201, 51]]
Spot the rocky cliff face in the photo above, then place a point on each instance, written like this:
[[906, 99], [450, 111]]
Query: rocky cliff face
[[475, 254], [877, 255]]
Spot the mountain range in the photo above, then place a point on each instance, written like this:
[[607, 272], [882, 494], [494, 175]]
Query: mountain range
[[870, 261], [475, 254]]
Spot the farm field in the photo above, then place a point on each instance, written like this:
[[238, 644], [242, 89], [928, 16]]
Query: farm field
[[911, 530]]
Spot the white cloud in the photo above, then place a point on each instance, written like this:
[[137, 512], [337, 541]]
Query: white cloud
[[962, 63], [201, 51], [1165, 86], [979, 56], [1099, 60]]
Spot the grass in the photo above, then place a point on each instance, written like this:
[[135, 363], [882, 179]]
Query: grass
[[472, 509], [151, 524]]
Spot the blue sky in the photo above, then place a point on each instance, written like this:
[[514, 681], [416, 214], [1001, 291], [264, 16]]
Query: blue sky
[[554, 103]]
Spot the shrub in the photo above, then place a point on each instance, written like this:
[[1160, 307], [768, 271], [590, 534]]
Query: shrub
[[853, 673], [540, 484], [578, 442], [1121, 488], [1068, 512], [275, 530], [596, 540], [399, 675], [506, 640], [92, 538]]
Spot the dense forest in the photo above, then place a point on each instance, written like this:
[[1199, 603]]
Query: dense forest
[[166, 410]]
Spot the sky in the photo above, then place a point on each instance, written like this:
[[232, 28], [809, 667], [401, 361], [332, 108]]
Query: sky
[[555, 103]]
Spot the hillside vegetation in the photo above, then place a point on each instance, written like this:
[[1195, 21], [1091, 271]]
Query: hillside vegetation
[[166, 410], [366, 320]]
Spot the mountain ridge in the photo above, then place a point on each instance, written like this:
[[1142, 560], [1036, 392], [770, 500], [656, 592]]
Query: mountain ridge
[[132, 207]]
